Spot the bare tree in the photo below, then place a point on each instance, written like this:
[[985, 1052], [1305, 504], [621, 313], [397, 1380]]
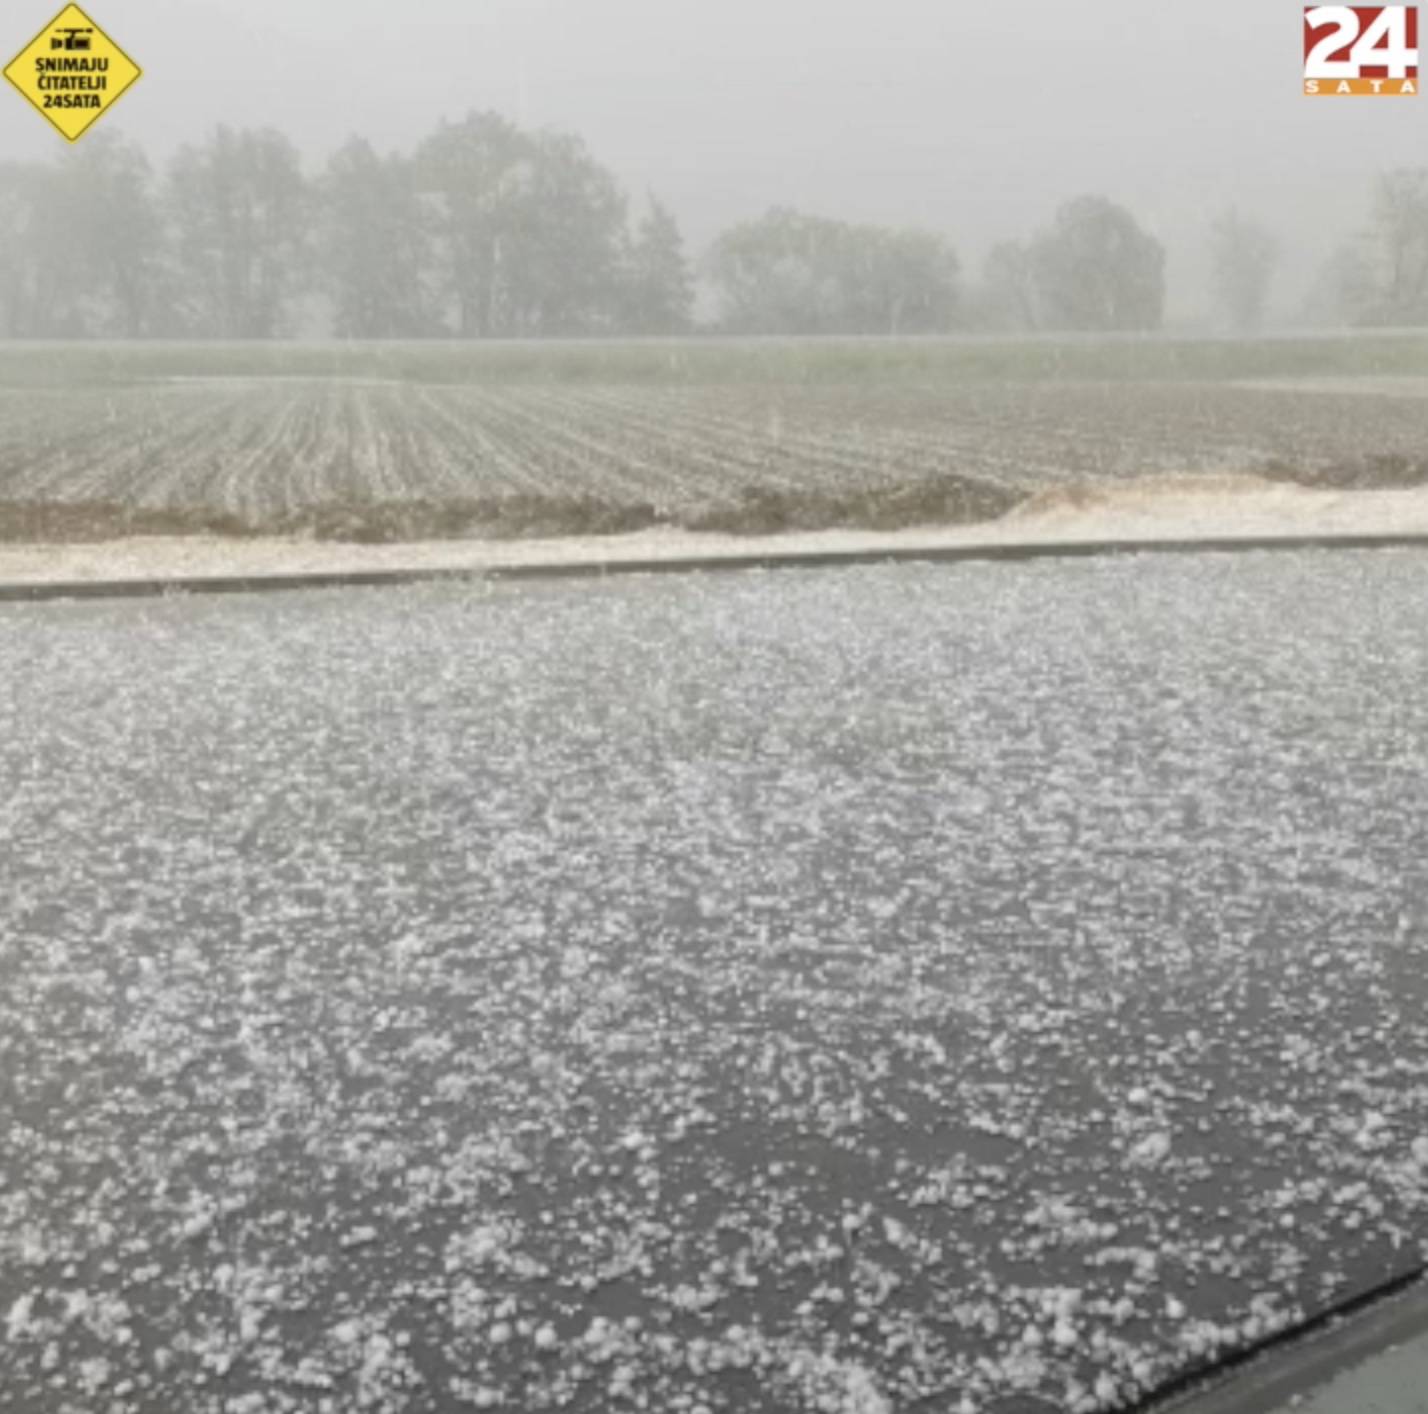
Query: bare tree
[[1399, 239]]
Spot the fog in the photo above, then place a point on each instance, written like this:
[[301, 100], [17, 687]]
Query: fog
[[972, 119]]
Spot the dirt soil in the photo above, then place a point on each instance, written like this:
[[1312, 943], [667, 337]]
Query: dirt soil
[[947, 500]]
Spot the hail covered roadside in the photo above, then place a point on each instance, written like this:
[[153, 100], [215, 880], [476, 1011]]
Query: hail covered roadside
[[972, 989]]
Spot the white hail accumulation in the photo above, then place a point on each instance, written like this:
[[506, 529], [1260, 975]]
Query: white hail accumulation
[[854, 993]]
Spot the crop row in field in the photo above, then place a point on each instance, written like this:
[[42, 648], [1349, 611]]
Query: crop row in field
[[262, 454]]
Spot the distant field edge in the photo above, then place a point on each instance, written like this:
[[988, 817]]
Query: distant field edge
[[604, 568], [713, 359]]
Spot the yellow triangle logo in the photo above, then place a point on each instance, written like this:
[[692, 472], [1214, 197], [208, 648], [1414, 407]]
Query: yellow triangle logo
[[72, 72]]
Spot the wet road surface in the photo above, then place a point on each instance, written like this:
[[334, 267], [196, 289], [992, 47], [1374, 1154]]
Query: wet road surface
[[983, 988]]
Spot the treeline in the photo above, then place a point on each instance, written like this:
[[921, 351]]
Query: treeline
[[484, 231], [489, 231]]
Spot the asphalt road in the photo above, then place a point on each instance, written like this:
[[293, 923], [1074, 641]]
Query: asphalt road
[[917, 988]]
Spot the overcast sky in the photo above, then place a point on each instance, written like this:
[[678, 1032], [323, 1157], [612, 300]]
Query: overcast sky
[[975, 117]]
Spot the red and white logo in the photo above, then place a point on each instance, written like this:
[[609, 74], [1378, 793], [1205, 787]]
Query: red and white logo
[[1362, 50]]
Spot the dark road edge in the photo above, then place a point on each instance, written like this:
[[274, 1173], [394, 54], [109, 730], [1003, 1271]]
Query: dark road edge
[[1265, 1376], [695, 564]]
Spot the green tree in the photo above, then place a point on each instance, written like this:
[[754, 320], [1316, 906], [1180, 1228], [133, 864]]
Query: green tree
[[1007, 296], [527, 229], [1243, 257], [471, 175], [239, 208], [374, 246], [773, 275], [899, 281], [658, 286], [1343, 294], [1095, 269], [562, 269], [789, 273], [34, 299], [107, 189], [81, 244]]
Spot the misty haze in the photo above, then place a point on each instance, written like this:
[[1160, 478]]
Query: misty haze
[[712, 708]]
